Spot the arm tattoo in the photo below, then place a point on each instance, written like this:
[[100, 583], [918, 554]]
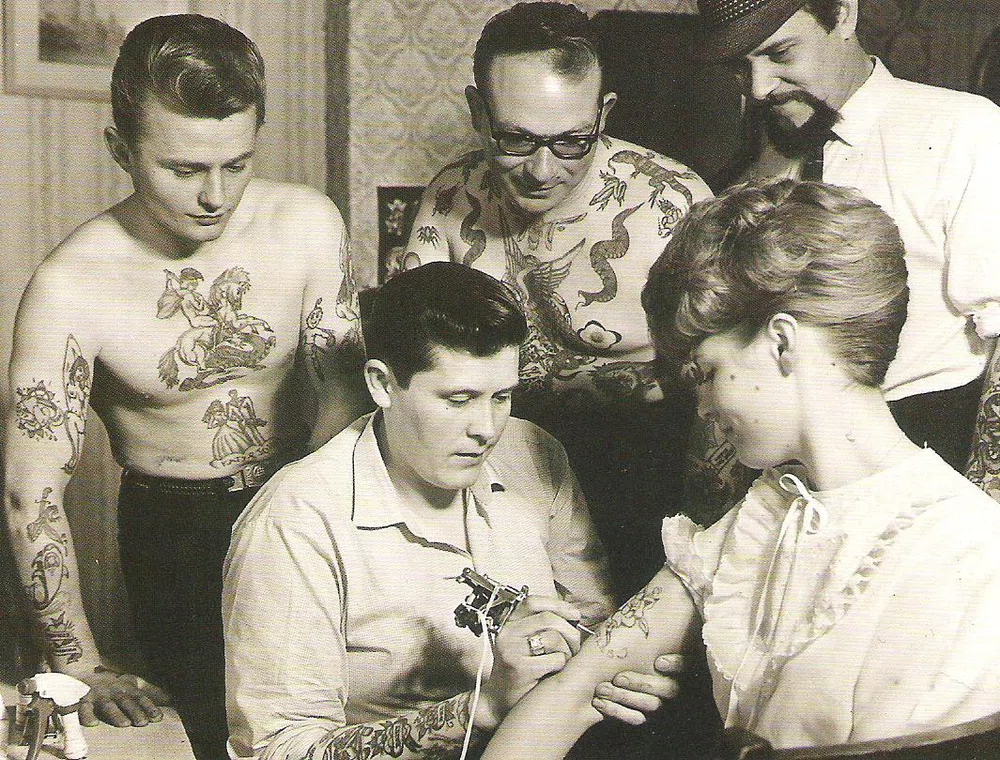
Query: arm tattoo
[[317, 342], [983, 468], [62, 642], [39, 413], [36, 411], [632, 614], [393, 737], [48, 570], [48, 514], [76, 387]]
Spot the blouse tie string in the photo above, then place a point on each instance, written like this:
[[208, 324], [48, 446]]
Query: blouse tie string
[[814, 517]]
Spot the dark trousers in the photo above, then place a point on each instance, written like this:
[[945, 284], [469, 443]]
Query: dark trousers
[[943, 420], [174, 535]]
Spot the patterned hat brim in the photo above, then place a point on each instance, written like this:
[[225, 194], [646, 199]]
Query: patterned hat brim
[[741, 35]]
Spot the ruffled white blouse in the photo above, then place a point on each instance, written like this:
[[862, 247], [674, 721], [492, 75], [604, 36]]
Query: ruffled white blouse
[[864, 612]]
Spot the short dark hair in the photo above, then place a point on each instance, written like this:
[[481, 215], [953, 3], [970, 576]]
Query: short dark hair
[[192, 65], [439, 304], [826, 12], [823, 254], [561, 30]]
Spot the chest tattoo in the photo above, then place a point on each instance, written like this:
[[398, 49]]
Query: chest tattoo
[[476, 239], [221, 341], [603, 250], [238, 439]]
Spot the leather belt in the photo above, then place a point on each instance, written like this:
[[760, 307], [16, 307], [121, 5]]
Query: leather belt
[[252, 475]]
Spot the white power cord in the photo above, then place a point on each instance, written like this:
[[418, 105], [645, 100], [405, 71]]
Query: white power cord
[[479, 673]]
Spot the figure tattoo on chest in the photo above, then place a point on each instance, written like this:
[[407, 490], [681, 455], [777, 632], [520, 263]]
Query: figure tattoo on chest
[[237, 439], [221, 341]]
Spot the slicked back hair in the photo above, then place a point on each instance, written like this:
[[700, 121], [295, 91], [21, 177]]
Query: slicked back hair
[[191, 65], [439, 304], [560, 30]]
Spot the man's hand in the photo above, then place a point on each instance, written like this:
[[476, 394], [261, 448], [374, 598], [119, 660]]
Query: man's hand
[[121, 700], [537, 640], [631, 697]]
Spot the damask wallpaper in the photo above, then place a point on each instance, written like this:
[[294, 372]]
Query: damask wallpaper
[[407, 67], [407, 62]]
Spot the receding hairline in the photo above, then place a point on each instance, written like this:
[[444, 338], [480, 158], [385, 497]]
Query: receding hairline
[[549, 56]]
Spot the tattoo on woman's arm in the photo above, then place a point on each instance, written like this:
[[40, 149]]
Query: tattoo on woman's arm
[[632, 614]]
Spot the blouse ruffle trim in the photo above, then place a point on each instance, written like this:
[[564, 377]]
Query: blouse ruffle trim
[[729, 611]]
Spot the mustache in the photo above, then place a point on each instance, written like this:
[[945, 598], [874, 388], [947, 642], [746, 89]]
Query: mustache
[[794, 141]]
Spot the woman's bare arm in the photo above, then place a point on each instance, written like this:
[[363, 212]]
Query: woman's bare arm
[[659, 618]]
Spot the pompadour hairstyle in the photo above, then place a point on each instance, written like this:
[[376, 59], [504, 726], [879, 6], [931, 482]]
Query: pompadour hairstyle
[[561, 30], [823, 254], [192, 65], [439, 304]]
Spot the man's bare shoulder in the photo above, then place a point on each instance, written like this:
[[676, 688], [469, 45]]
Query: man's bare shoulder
[[288, 207], [90, 253], [623, 151], [459, 172]]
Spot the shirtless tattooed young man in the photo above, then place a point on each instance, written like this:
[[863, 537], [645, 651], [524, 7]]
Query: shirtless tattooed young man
[[201, 290]]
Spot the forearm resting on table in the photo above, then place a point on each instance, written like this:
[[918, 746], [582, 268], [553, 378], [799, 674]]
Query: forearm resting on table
[[660, 618], [435, 731]]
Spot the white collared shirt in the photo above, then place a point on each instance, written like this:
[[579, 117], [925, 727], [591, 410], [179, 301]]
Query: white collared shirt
[[338, 608], [930, 157]]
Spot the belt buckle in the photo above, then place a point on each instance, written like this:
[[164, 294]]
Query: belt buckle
[[250, 476]]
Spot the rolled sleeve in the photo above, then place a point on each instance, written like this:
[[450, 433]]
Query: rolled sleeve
[[286, 656]]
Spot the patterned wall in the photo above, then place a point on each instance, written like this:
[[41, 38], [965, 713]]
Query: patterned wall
[[408, 64]]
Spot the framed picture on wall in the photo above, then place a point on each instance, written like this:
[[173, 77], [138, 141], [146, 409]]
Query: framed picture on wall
[[66, 48]]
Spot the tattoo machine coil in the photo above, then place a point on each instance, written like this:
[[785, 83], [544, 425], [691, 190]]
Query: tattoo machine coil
[[489, 603]]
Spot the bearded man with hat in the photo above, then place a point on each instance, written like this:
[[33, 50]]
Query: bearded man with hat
[[820, 108]]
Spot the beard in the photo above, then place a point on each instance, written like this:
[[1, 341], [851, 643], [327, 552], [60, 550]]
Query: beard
[[792, 141]]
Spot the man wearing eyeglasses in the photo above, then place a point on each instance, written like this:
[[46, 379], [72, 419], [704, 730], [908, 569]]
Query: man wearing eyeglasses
[[572, 220]]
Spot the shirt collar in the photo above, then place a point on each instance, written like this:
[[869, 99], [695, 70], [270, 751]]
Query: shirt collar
[[859, 113], [376, 503]]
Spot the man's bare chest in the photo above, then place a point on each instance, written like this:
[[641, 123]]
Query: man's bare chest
[[194, 325]]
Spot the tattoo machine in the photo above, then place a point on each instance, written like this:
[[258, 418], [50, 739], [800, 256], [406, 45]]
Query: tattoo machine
[[490, 603], [51, 698]]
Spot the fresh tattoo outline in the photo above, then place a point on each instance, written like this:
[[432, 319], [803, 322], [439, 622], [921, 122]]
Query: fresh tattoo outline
[[632, 614]]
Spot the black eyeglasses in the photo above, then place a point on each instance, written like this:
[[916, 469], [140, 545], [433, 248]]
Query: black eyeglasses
[[567, 145]]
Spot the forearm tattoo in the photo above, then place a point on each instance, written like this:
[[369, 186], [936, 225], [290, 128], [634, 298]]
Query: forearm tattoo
[[394, 737], [48, 573], [40, 413], [983, 468], [632, 614], [61, 641]]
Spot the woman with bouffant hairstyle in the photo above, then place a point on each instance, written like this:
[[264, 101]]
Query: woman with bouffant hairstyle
[[851, 594]]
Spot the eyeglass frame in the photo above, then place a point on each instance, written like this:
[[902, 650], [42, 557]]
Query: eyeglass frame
[[547, 142]]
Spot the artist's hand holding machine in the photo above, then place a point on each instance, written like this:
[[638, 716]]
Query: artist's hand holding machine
[[534, 636]]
